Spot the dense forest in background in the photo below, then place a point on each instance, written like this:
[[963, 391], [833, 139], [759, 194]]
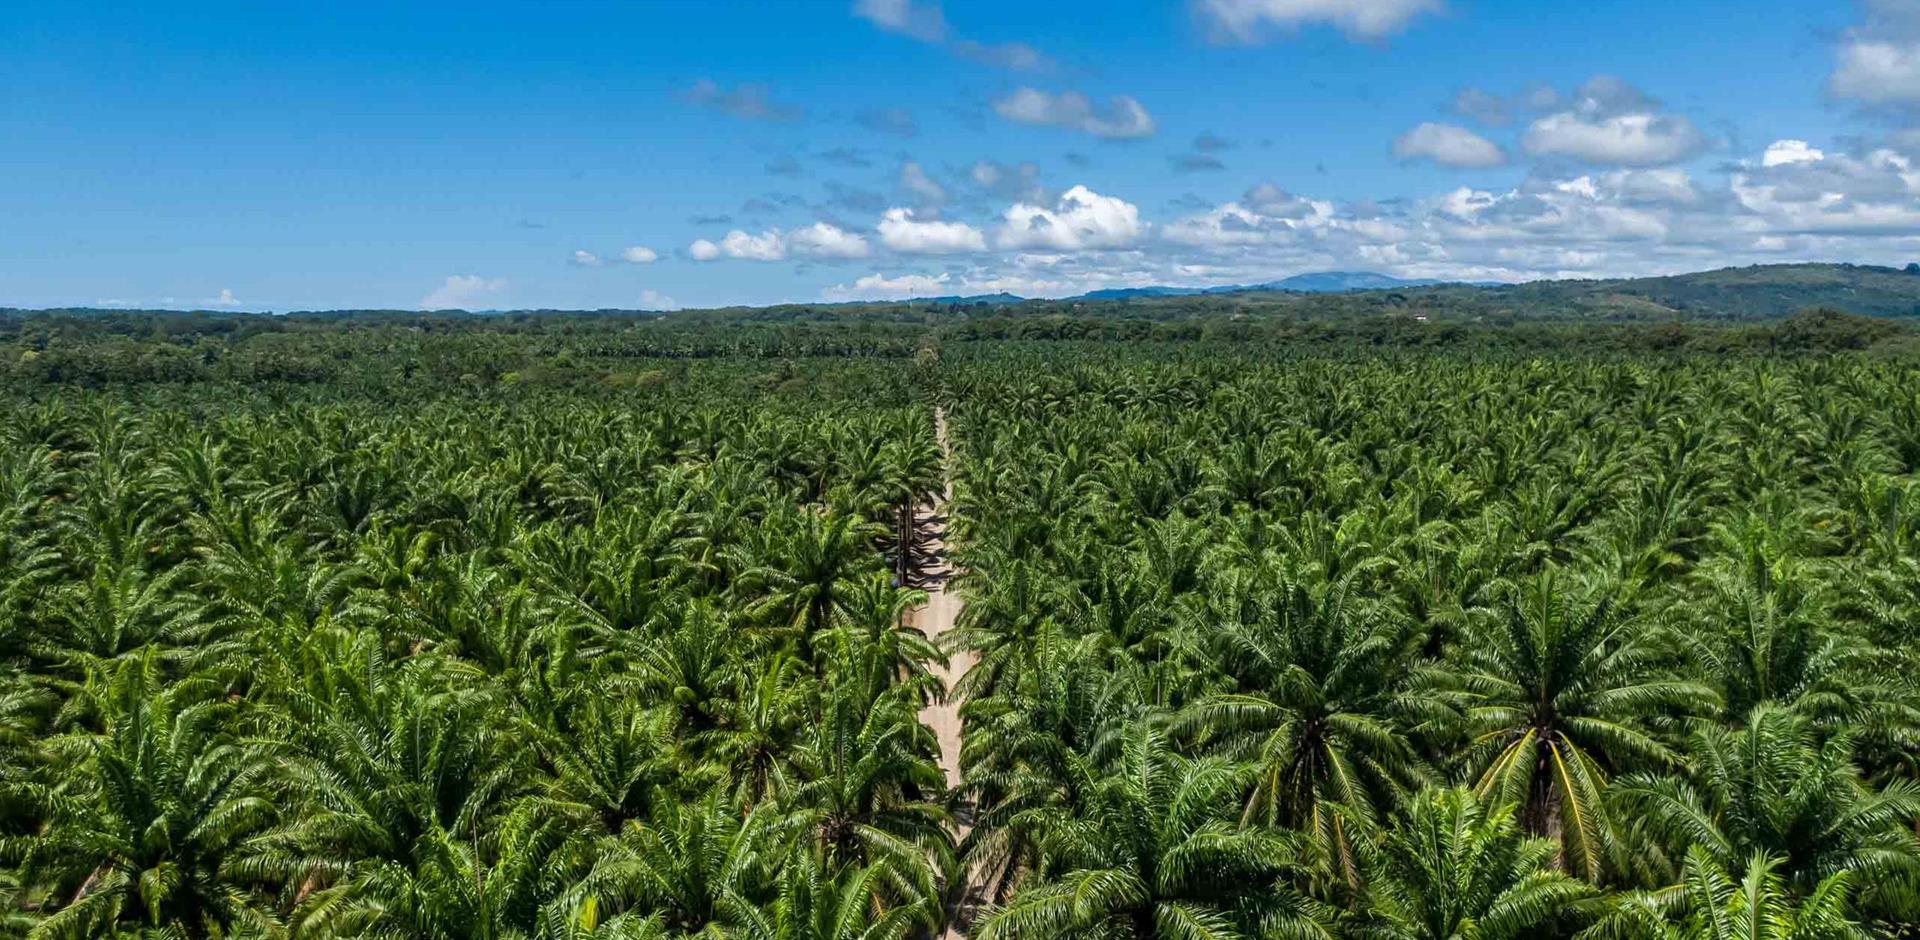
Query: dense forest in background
[[579, 626], [1728, 295]]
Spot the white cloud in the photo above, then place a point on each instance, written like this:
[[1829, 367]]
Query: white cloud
[[1660, 186], [1782, 152], [1626, 139], [1025, 275], [654, 300], [819, 240], [881, 287], [1608, 121], [1265, 214], [822, 240], [922, 21], [900, 231], [226, 298], [1448, 145], [769, 245], [1081, 219], [462, 291], [586, 259], [1877, 71], [639, 254], [915, 180], [1121, 118], [1878, 60], [1877, 192], [1250, 21]]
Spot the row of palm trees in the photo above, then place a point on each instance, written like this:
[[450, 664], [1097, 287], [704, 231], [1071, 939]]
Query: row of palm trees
[[1440, 647]]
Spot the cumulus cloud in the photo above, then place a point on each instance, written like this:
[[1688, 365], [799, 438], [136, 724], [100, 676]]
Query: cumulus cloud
[[915, 181], [882, 287], [749, 101], [1878, 71], [827, 241], [1878, 61], [1120, 118], [1251, 21], [902, 232], [1081, 220], [226, 298], [585, 259], [1610, 122], [639, 254], [1626, 139], [462, 291], [1264, 214], [821, 240], [1798, 188], [769, 245], [1026, 275], [1448, 145], [1782, 152]]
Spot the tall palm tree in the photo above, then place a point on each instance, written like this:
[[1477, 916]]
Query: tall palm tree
[[1321, 707], [1559, 701], [867, 795]]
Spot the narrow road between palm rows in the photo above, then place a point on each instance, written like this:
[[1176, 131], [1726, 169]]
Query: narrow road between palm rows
[[935, 619]]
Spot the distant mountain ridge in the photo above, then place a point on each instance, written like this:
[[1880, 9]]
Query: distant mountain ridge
[[1746, 293], [1757, 292]]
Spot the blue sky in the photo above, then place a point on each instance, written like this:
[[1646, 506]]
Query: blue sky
[[489, 155]]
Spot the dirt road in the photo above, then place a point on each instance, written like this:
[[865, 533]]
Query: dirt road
[[935, 619]]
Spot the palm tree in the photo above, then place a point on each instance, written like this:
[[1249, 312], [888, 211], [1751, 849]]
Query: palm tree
[[1772, 790], [815, 905], [142, 831], [383, 760], [752, 746], [1451, 868], [800, 579], [1713, 905], [1147, 855], [457, 886], [1556, 703], [865, 795], [1321, 709], [696, 866]]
